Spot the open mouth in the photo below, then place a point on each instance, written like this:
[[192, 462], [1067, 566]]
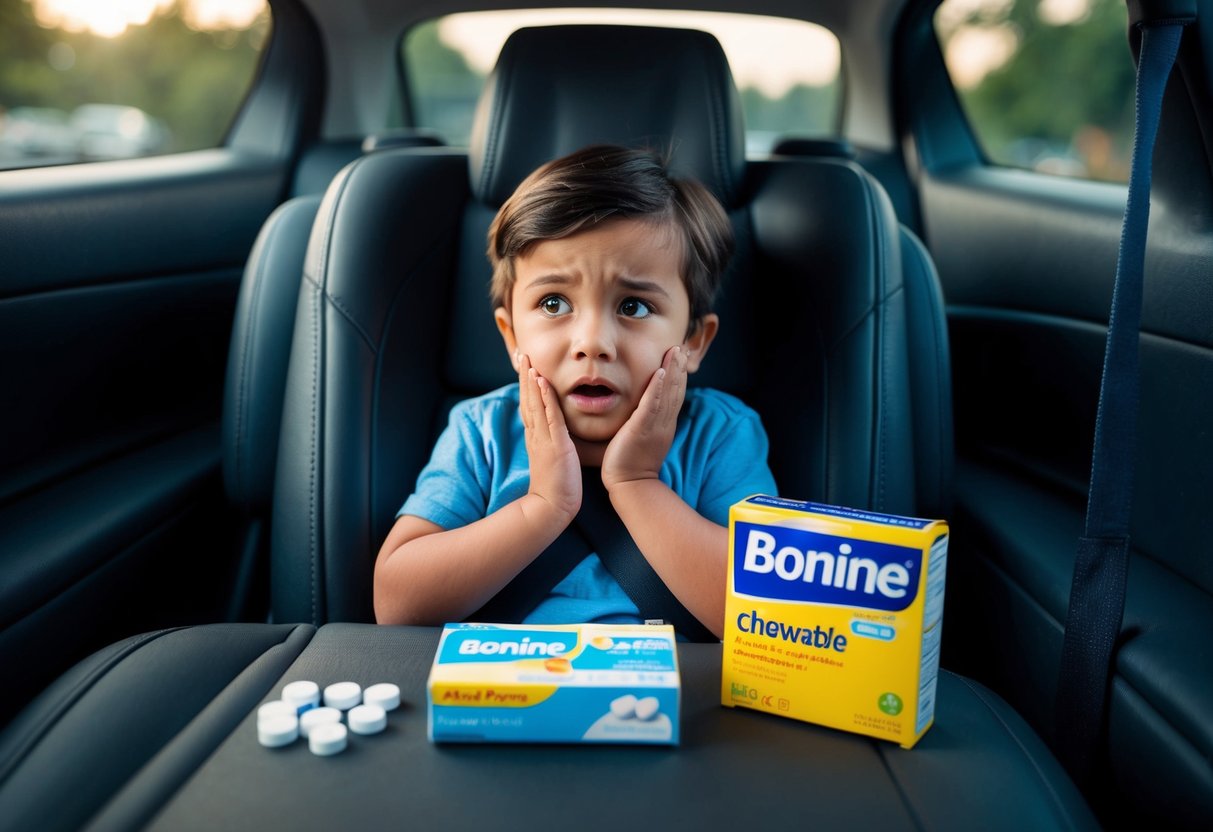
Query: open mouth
[[592, 391], [592, 398]]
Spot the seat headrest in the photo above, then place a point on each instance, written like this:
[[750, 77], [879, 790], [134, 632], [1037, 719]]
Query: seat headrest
[[557, 89]]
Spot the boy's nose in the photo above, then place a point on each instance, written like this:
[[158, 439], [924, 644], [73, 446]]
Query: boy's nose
[[594, 338]]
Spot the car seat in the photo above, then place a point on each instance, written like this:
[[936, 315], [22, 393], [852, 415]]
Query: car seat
[[260, 348], [832, 320]]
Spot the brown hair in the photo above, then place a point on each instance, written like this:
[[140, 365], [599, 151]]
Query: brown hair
[[609, 182]]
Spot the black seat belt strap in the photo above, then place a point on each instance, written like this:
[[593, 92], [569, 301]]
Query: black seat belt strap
[[1097, 593], [627, 565], [534, 583], [597, 528]]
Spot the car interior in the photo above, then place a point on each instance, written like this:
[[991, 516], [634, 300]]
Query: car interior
[[227, 367]]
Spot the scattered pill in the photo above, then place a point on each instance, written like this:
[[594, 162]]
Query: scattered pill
[[301, 695], [277, 731], [275, 708], [367, 719], [313, 719], [647, 707], [342, 695], [326, 740], [624, 707], [385, 695]]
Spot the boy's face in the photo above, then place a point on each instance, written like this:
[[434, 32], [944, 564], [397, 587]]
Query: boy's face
[[596, 313]]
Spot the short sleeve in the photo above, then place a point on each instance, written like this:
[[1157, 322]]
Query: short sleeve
[[737, 464], [453, 488]]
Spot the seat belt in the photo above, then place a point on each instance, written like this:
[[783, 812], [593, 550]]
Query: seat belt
[[627, 565], [1097, 594], [534, 583], [596, 529]]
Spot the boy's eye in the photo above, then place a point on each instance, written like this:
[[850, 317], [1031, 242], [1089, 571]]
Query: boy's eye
[[555, 305], [635, 308]]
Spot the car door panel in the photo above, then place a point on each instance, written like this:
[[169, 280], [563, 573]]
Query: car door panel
[[119, 284]]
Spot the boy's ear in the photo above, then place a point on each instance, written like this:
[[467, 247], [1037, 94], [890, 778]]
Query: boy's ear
[[698, 342], [506, 327]]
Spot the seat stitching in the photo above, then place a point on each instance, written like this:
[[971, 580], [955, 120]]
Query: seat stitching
[[242, 383], [314, 442]]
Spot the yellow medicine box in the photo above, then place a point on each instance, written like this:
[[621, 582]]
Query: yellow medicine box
[[833, 616]]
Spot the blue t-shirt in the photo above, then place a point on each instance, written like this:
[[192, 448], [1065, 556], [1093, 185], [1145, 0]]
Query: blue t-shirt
[[479, 464]]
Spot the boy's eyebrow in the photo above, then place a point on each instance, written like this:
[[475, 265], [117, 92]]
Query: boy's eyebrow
[[632, 284], [636, 284], [554, 279]]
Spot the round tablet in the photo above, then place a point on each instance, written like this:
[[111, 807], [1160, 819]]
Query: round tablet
[[385, 695], [343, 695], [326, 740], [367, 719], [301, 695], [647, 708], [277, 731], [275, 708], [313, 719]]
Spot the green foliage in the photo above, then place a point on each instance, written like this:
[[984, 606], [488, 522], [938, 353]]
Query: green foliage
[[193, 81], [802, 110], [443, 86], [1068, 89]]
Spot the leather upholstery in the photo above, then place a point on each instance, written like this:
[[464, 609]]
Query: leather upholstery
[[261, 341], [394, 324], [557, 89]]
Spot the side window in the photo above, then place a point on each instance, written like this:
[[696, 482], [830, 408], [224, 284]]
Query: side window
[[1047, 84], [88, 81], [786, 70]]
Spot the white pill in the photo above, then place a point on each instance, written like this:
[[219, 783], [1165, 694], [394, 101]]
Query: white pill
[[385, 695], [313, 719], [302, 695], [367, 719], [275, 708], [624, 707], [326, 740], [343, 695], [647, 708], [277, 731]]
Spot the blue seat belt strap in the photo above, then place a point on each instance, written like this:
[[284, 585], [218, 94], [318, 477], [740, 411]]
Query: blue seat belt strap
[[1097, 593]]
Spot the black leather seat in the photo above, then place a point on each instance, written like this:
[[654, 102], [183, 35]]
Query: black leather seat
[[832, 321], [260, 347]]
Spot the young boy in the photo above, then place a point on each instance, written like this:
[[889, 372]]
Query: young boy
[[604, 272]]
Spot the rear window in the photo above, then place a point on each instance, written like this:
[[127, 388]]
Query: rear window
[[89, 80], [1047, 85], [787, 70]]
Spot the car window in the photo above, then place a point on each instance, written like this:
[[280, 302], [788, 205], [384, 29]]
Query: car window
[[787, 70], [1047, 85], [86, 81]]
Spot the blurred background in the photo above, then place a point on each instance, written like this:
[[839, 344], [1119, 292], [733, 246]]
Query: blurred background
[[84, 80]]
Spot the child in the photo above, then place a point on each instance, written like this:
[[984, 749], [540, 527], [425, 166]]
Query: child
[[604, 272]]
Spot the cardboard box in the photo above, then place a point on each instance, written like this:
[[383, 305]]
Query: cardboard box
[[833, 616], [555, 683]]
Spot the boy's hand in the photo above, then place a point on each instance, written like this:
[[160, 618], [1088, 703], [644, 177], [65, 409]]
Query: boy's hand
[[640, 447], [555, 466]]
